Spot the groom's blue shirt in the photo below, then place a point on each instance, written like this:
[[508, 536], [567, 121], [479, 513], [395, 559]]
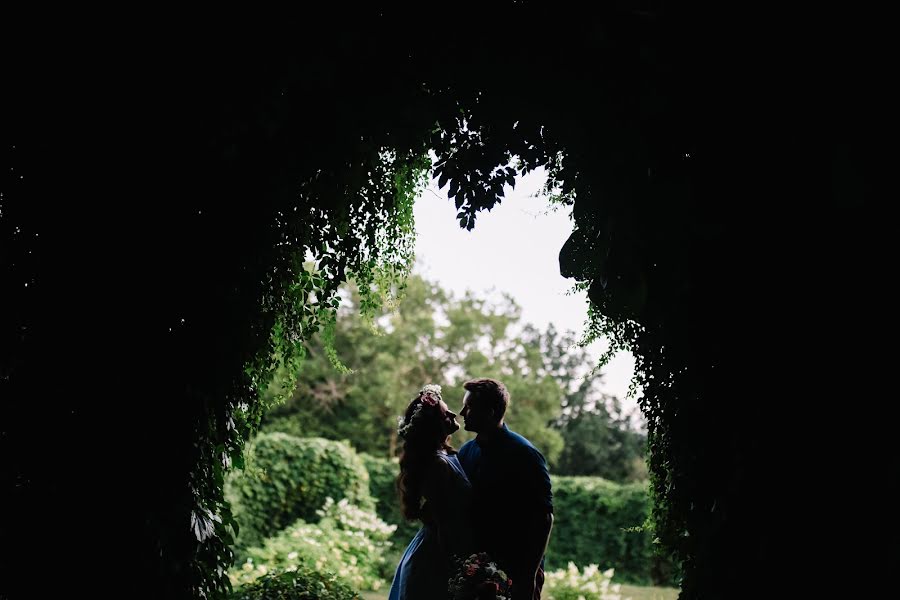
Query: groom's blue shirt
[[512, 490]]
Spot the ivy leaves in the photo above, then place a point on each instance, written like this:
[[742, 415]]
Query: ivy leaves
[[476, 163]]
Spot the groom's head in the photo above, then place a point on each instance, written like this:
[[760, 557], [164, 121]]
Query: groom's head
[[484, 404]]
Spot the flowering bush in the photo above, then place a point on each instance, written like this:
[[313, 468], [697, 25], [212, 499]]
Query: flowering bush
[[571, 584], [478, 577], [347, 541]]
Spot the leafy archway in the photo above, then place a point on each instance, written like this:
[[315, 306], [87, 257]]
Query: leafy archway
[[244, 157]]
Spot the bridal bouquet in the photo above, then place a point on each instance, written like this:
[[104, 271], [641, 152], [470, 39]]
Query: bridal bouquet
[[478, 578]]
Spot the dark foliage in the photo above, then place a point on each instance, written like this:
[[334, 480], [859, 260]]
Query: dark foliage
[[726, 227]]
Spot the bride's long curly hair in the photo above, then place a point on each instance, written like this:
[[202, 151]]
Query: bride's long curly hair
[[424, 432]]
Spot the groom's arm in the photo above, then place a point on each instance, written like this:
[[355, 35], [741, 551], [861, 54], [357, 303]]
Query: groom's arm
[[534, 553], [540, 525], [549, 529]]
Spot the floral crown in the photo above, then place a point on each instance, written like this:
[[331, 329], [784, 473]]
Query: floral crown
[[430, 395]]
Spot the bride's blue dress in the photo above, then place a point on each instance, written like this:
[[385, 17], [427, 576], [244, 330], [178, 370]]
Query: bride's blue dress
[[424, 570]]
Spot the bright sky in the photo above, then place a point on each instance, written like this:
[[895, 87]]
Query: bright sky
[[513, 249]]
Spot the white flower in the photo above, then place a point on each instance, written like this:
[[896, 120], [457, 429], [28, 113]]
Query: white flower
[[292, 555]]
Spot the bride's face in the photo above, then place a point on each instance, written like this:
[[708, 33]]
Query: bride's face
[[451, 425]]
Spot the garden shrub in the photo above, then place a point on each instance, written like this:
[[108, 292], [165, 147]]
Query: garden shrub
[[289, 479]]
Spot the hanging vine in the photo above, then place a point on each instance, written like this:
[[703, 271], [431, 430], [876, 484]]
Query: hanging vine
[[366, 233]]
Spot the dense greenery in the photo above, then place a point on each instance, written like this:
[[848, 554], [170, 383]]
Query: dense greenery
[[161, 191], [601, 522], [291, 478]]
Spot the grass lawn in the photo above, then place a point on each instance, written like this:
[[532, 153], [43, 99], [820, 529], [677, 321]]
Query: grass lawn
[[635, 592]]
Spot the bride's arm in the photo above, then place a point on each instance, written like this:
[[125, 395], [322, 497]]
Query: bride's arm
[[451, 511]]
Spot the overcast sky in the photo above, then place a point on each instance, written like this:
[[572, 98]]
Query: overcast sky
[[513, 249]]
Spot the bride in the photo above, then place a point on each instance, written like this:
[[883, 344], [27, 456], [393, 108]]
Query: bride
[[433, 489]]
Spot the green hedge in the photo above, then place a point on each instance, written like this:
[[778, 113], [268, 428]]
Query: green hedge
[[289, 478], [382, 476], [592, 519], [302, 584]]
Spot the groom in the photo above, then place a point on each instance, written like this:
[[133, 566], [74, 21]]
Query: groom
[[513, 501]]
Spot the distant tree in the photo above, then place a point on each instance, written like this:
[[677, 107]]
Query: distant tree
[[602, 441], [600, 438]]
